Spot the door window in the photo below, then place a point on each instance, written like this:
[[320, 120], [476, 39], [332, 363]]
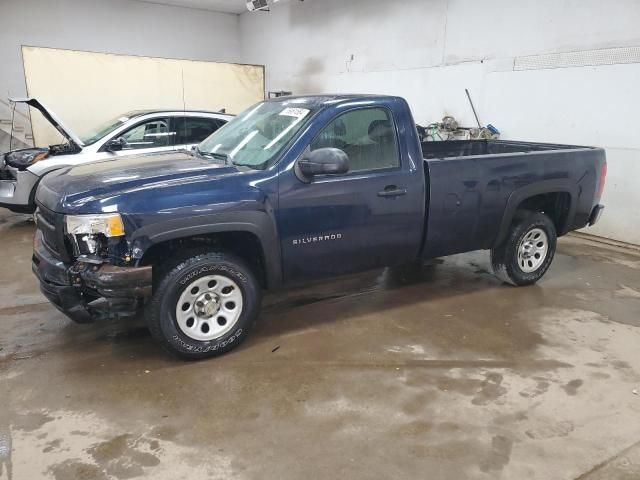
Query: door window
[[191, 130], [150, 134], [366, 135]]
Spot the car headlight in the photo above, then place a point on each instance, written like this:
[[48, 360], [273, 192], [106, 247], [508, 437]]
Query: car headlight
[[107, 224], [88, 232], [22, 159]]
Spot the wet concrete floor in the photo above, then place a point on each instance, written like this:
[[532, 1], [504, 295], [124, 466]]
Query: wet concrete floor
[[423, 372]]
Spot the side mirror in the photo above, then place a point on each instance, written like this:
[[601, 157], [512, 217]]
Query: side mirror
[[114, 145], [323, 161]]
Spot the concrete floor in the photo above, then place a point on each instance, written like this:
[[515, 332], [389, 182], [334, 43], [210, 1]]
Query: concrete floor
[[439, 372]]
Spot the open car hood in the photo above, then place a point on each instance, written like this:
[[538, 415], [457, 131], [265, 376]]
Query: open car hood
[[52, 118]]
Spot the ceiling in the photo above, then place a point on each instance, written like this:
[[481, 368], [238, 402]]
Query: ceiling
[[228, 6]]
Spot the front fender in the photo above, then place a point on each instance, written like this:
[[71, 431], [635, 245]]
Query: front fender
[[259, 223], [52, 163]]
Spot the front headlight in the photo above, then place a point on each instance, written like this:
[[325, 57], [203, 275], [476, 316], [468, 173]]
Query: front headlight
[[107, 224], [22, 159]]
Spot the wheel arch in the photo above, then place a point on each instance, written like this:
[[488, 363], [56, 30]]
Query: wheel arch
[[557, 199], [249, 235]]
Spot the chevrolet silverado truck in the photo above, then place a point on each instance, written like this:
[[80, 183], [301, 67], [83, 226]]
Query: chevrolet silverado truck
[[295, 189]]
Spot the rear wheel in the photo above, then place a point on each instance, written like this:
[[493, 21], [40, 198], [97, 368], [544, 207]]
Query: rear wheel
[[526, 254], [204, 306]]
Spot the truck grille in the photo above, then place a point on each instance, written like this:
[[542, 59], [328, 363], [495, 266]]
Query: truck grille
[[51, 224]]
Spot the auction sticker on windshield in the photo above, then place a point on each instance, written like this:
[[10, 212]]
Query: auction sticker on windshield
[[295, 112]]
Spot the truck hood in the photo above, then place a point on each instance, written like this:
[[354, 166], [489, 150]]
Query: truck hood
[[52, 118], [78, 186]]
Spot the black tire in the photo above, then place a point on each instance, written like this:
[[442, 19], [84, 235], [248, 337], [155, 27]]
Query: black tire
[[504, 258], [160, 312]]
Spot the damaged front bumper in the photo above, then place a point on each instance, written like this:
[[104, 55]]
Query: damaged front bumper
[[85, 291]]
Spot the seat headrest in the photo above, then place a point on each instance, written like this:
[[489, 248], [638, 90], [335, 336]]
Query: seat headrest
[[339, 128], [379, 129]]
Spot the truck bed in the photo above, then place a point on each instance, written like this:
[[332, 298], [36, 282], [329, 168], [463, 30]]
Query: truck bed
[[471, 183], [466, 148]]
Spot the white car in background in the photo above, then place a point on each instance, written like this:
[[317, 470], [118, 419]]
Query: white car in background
[[133, 133]]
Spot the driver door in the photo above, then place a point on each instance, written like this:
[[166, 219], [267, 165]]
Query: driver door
[[370, 217]]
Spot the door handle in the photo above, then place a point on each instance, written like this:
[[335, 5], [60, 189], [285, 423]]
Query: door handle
[[392, 191]]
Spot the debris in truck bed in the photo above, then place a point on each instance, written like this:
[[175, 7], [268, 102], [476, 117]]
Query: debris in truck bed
[[449, 129]]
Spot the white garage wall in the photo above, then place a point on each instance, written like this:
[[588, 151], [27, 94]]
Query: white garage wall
[[430, 50], [111, 26]]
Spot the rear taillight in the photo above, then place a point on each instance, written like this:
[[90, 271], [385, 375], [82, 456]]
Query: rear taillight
[[602, 180]]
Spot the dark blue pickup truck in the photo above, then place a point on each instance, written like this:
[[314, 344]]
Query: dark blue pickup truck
[[291, 190]]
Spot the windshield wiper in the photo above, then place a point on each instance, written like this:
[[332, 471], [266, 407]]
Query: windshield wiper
[[201, 153], [217, 156], [252, 166], [221, 156]]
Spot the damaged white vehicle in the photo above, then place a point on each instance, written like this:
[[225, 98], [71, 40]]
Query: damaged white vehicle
[[134, 133]]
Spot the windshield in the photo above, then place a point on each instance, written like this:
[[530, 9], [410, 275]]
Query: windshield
[[255, 136], [92, 136]]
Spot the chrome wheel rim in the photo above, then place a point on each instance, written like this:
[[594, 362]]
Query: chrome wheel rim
[[209, 307], [532, 250]]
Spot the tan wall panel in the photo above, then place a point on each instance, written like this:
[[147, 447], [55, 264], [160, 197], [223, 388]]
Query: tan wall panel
[[86, 88], [234, 87]]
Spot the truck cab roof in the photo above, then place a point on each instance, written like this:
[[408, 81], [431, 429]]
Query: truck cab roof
[[324, 100]]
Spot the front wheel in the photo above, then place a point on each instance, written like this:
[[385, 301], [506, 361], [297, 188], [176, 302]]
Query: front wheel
[[526, 254], [204, 306]]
